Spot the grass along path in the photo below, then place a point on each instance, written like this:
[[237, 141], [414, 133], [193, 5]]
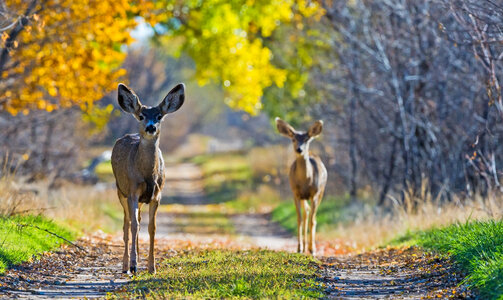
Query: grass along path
[[475, 247], [23, 237]]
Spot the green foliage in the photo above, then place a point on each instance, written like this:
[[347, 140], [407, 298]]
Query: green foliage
[[20, 243], [230, 274], [97, 117], [331, 212], [226, 41], [300, 91], [477, 247]]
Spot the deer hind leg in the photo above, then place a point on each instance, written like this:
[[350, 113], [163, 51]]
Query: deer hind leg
[[151, 232], [305, 224], [300, 245], [125, 228], [133, 213]]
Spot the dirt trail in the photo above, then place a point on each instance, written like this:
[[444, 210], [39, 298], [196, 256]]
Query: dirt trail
[[405, 273], [184, 186], [185, 220]]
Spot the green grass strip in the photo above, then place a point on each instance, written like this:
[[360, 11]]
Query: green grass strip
[[477, 247], [230, 274], [21, 243], [330, 213]]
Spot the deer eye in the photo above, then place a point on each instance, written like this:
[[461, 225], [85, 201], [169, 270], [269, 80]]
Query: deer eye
[[141, 118], [159, 118]]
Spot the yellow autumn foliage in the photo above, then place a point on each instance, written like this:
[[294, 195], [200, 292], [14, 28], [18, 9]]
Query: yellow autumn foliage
[[68, 52], [225, 40]]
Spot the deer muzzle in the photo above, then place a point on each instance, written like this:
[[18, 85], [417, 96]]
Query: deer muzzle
[[150, 129]]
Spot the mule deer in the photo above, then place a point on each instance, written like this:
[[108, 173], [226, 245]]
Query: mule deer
[[138, 168], [308, 177]]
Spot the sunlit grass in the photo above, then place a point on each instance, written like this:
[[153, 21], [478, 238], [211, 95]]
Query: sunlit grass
[[237, 180], [20, 241], [230, 274], [332, 212], [229, 163], [200, 219], [477, 247], [224, 175], [263, 199]]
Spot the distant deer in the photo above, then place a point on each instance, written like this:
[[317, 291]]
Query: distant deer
[[138, 168], [308, 177]]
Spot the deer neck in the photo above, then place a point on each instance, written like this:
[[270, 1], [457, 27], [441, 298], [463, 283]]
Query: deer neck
[[304, 168], [148, 155]]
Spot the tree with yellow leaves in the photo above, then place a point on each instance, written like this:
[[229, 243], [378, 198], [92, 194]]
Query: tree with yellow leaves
[[62, 53], [226, 41]]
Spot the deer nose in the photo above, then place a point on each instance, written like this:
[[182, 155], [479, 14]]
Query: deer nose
[[150, 129], [299, 150]]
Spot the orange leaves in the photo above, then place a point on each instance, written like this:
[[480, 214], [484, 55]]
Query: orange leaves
[[69, 53], [4, 36]]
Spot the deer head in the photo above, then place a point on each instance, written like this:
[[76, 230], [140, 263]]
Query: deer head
[[300, 139], [150, 118]]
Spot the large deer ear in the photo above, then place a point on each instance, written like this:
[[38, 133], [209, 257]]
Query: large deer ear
[[128, 100], [284, 128], [173, 100], [315, 129]]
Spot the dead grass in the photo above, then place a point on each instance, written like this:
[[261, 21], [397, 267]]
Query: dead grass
[[374, 228], [87, 208], [15, 200], [270, 163]]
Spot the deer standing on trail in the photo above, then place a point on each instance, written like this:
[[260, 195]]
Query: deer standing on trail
[[308, 177], [138, 168]]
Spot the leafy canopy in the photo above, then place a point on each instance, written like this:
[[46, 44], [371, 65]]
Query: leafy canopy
[[62, 53], [226, 41]]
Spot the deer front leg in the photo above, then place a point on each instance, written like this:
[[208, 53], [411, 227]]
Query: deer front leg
[[312, 228], [133, 212], [300, 246], [125, 228], [305, 224], [315, 203], [152, 213], [139, 226]]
